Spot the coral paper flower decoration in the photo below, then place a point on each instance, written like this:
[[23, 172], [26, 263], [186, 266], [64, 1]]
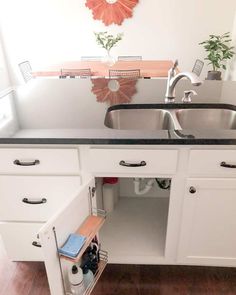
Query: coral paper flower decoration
[[111, 11], [114, 91]]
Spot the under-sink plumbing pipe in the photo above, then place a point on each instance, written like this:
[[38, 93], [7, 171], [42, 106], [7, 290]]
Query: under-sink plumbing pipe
[[147, 187]]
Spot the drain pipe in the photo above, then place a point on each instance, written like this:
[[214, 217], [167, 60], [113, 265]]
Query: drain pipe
[[137, 184]]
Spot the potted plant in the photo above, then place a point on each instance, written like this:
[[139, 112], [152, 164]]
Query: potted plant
[[218, 52], [107, 41]]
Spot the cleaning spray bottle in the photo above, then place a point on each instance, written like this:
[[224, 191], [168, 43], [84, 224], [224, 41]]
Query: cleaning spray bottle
[[75, 276]]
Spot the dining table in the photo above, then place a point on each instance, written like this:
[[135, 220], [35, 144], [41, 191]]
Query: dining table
[[148, 68]]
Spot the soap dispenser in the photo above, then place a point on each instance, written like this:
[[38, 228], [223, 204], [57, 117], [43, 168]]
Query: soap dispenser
[[188, 96]]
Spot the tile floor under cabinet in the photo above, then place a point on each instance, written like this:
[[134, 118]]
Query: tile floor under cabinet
[[29, 278]]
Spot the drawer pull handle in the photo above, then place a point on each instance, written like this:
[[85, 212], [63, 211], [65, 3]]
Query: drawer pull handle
[[225, 165], [141, 164], [27, 201], [192, 190], [22, 163], [36, 244]]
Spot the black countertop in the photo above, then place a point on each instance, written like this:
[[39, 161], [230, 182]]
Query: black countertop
[[72, 111]]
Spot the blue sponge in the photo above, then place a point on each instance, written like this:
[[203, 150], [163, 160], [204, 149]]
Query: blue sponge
[[73, 245]]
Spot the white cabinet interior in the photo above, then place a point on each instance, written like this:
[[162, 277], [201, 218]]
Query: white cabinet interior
[[135, 230]]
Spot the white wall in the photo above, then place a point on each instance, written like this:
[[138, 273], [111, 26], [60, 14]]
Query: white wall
[[4, 77], [48, 31], [232, 64]]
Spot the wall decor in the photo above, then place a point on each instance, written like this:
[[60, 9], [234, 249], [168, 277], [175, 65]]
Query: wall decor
[[114, 91], [111, 11]]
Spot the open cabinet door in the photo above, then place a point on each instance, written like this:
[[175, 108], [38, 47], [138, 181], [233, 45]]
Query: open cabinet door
[[65, 221]]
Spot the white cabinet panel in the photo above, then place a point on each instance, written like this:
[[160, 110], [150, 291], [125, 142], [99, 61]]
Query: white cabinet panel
[[209, 162], [39, 161], [209, 223], [67, 220], [18, 195], [18, 238], [114, 160]]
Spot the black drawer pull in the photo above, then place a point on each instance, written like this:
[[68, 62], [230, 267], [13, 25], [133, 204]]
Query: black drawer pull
[[22, 163], [27, 201], [192, 190], [141, 164], [36, 244], [225, 165]]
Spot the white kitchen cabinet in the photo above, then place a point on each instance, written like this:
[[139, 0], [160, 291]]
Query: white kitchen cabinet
[[30, 195], [26, 203], [56, 231], [18, 238], [31, 161], [208, 225], [132, 161], [209, 163], [202, 221], [34, 198]]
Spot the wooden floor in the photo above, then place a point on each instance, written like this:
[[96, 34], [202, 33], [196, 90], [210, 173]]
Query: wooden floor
[[29, 278], [22, 278], [166, 280]]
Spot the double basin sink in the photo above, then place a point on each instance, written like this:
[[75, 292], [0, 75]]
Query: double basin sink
[[171, 117]]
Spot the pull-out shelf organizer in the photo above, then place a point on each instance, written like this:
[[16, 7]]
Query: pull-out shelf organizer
[[89, 229]]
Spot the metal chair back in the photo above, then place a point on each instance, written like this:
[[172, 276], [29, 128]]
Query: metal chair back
[[72, 73], [124, 73], [26, 70], [198, 66]]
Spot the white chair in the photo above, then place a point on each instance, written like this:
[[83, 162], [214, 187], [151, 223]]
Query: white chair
[[91, 58], [129, 58], [26, 70]]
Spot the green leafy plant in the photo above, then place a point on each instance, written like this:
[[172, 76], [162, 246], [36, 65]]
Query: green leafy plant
[[107, 41], [219, 50]]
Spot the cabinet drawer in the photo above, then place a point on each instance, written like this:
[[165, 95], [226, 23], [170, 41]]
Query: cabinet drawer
[[39, 161], [34, 198], [213, 162], [17, 239], [133, 161]]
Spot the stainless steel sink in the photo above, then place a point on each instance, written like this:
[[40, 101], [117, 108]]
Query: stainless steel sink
[[206, 118], [167, 117], [139, 119]]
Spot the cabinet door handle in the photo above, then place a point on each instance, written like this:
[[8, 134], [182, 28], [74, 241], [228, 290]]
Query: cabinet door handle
[[36, 244], [192, 190], [141, 164], [27, 201], [27, 163], [225, 165]]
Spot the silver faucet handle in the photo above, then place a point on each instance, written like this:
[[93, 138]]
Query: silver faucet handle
[[172, 71], [175, 64], [188, 96]]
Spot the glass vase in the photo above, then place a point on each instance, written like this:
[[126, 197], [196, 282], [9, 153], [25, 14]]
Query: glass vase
[[109, 59]]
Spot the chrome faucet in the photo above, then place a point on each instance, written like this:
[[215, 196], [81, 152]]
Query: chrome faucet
[[173, 79]]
